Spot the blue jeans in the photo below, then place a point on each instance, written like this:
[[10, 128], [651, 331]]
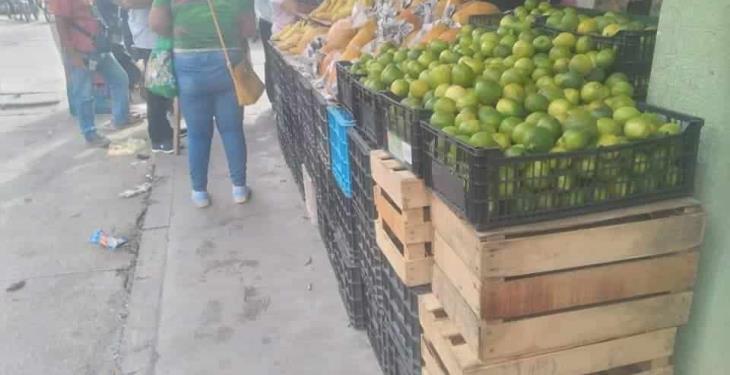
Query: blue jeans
[[81, 92], [207, 94]]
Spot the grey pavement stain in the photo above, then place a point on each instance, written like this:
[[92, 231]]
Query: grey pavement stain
[[206, 248], [212, 314], [253, 305], [229, 265], [14, 287], [266, 340], [220, 335]]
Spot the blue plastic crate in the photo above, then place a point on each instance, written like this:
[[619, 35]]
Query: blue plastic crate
[[339, 120]]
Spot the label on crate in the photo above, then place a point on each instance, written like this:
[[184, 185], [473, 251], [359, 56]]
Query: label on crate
[[399, 148]]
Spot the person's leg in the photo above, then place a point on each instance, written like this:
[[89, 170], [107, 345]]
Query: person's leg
[[198, 107], [81, 94], [157, 106], [229, 120], [118, 81]]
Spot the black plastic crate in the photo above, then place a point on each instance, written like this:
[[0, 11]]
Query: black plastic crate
[[362, 182], [401, 359], [488, 21], [403, 132], [350, 283], [634, 49], [403, 299], [491, 190], [341, 207], [345, 85], [369, 114]]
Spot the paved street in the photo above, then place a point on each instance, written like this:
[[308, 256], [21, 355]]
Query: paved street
[[227, 290]]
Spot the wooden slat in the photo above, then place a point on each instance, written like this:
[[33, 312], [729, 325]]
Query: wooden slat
[[404, 188], [585, 359], [430, 360], [494, 255], [495, 341], [669, 370], [592, 246], [412, 272], [467, 283], [613, 282], [410, 225]]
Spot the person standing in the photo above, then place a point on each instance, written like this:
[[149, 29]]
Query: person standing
[[86, 50], [144, 40], [206, 91]]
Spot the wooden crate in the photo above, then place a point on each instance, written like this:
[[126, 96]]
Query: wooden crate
[[595, 278], [403, 229], [445, 352]]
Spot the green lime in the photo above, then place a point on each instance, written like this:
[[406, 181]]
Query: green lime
[[616, 77], [670, 128], [445, 105], [565, 40], [542, 43], [509, 107], [400, 88], [442, 119], [552, 125], [508, 125], [593, 91], [608, 126], [440, 90], [637, 128], [605, 58], [514, 91], [519, 133], [462, 75], [623, 114], [489, 116], [463, 117], [572, 95], [514, 151], [482, 140], [418, 88], [469, 127], [503, 140], [558, 52], [522, 48], [454, 92], [581, 64], [536, 102], [559, 107], [622, 88], [584, 44], [488, 91], [538, 139]]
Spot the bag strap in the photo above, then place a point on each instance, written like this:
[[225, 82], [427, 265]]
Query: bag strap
[[220, 37]]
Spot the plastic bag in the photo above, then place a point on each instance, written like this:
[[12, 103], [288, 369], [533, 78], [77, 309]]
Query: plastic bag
[[160, 75]]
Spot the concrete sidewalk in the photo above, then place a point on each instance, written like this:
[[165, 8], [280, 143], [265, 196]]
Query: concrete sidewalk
[[243, 289]]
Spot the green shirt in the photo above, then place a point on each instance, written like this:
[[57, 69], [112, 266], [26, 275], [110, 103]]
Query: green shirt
[[193, 24]]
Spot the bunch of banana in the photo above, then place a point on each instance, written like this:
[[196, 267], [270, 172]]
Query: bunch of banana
[[295, 37], [333, 10], [288, 31]]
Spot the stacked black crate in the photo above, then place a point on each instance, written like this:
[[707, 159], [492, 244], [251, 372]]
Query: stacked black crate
[[403, 328]]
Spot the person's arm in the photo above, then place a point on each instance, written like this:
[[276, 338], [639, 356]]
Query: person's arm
[[161, 17], [63, 25]]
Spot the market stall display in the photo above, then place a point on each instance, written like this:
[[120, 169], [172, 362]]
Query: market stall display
[[492, 190]]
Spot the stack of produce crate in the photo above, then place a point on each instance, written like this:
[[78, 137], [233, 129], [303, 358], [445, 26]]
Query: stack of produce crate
[[404, 235], [580, 295]]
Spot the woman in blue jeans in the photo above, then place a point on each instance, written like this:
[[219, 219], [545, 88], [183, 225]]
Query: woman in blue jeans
[[206, 91]]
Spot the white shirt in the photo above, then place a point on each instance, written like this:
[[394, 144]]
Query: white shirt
[[263, 9], [143, 36]]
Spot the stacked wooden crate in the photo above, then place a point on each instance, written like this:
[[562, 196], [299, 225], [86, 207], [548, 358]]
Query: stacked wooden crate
[[403, 229], [582, 295], [404, 235]]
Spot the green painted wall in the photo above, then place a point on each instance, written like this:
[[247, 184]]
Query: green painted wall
[[691, 74]]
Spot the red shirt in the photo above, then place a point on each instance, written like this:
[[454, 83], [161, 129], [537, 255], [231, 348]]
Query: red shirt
[[79, 13]]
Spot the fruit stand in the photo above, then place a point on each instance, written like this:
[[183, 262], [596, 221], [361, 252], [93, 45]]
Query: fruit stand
[[494, 193]]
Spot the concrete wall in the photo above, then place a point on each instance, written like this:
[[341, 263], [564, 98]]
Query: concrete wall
[[692, 74]]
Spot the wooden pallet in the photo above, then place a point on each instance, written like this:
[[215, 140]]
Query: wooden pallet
[[598, 277], [445, 352], [403, 229]]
